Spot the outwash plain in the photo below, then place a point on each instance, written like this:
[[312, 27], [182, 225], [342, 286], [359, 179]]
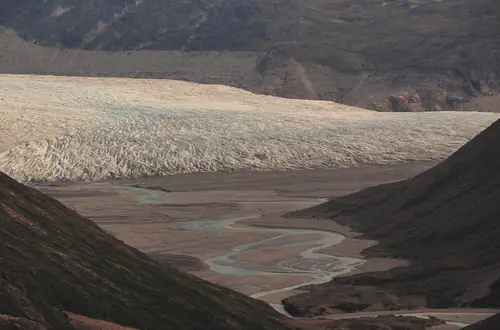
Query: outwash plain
[[73, 128]]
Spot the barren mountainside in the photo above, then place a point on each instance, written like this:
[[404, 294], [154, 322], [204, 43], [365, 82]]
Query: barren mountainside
[[395, 55], [488, 324], [445, 221], [53, 260]]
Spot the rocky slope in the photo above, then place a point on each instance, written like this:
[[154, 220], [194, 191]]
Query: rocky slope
[[53, 260], [444, 220], [387, 55], [386, 322], [16, 323], [60, 271], [488, 324]]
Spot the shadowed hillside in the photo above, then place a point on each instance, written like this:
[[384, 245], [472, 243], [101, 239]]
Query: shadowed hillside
[[54, 260], [384, 55], [445, 220], [488, 324], [16, 323]]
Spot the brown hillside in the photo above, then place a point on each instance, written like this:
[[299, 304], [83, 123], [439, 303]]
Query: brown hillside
[[16, 323], [238, 69], [52, 259], [491, 323], [445, 220], [399, 55]]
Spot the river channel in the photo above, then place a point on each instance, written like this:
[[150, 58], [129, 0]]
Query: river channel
[[322, 267]]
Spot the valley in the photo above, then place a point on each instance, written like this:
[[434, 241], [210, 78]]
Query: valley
[[214, 223], [233, 223], [208, 179], [249, 165]]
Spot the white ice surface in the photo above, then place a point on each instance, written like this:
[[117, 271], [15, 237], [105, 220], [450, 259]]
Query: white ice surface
[[67, 128]]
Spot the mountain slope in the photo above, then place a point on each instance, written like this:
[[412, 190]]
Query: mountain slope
[[445, 220], [52, 259], [16, 323], [488, 324], [279, 76], [386, 55]]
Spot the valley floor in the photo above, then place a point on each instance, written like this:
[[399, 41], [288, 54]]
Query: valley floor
[[225, 220], [232, 222]]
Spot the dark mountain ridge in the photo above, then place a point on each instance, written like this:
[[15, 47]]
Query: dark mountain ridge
[[444, 220], [54, 260], [488, 324]]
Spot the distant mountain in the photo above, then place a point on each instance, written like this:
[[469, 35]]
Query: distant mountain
[[397, 55], [52, 260], [446, 221]]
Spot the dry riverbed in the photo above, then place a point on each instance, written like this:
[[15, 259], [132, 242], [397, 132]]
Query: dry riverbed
[[232, 223]]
